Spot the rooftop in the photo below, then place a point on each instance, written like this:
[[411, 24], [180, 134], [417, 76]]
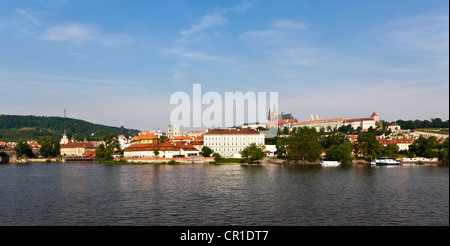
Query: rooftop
[[146, 135], [77, 145], [358, 119], [395, 140], [319, 121], [233, 131]]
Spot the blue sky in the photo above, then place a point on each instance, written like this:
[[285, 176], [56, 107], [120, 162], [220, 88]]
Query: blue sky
[[118, 62]]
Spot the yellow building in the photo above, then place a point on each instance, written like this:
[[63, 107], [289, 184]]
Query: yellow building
[[146, 138], [76, 148]]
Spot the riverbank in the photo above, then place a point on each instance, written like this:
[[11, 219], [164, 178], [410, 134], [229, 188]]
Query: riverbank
[[210, 160]]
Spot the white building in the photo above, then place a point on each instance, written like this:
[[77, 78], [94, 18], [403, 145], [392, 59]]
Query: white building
[[394, 127], [270, 150], [402, 143], [64, 139], [173, 131], [229, 142], [364, 123], [327, 125]]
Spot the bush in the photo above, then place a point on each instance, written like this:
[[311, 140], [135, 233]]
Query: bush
[[253, 153], [217, 157]]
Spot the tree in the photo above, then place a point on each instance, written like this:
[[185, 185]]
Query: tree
[[24, 150], [156, 152], [217, 157], [443, 153], [109, 146], [333, 139], [206, 151], [425, 147], [163, 138], [253, 153], [341, 153], [390, 149], [49, 146], [368, 145], [281, 147], [304, 145]]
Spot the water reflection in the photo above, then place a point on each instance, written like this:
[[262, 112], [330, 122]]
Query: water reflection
[[100, 194]]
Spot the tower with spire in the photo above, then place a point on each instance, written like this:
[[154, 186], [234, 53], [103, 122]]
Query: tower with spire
[[169, 130]]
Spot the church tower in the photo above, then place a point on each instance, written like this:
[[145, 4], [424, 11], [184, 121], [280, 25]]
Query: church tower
[[176, 131], [170, 131], [273, 116], [64, 139], [374, 116]]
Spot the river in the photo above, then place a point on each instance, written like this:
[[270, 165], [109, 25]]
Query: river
[[81, 194]]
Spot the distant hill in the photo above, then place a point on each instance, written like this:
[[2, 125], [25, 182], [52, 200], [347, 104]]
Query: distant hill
[[19, 128]]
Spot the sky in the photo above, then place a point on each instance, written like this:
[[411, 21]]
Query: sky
[[119, 62]]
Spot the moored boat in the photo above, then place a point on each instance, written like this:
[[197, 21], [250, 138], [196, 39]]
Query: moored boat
[[330, 163], [384, 161]]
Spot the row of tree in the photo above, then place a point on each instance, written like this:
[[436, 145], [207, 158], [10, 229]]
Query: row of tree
[[49, 148], [307, 145], [433, 123]]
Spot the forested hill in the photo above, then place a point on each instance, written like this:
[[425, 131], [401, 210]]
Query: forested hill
[[20, 128]]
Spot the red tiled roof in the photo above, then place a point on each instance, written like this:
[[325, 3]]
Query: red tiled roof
[[185, 146], [358, 119], [395, 140], [77, 145], [161, 147], [281, 122], [181, 138], [150, 147], [199, 142], [147, 135], [374, 114], [233, 131], [327, 120]]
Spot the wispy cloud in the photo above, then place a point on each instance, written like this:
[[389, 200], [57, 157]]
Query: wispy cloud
[[192, 55], [28, 15], [243, 6], [196, 43], [20, 23], [207, 21], [425, 33], [285, 40], [52, 80], [52, 4], [82, 34], [69, 32], [196, 33]]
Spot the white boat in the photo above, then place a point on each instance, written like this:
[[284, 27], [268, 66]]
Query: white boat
[[330, 163], [384, 161]]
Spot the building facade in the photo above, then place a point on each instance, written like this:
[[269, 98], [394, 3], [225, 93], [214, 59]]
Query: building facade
[[148, 145], [161, 150], [229, 142], [76, 148], [327, 125], [402, 143]]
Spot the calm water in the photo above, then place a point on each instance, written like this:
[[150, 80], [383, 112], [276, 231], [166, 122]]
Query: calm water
[[100, 194]]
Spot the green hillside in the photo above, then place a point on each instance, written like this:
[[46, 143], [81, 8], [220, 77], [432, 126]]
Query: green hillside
[[14, 128]]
